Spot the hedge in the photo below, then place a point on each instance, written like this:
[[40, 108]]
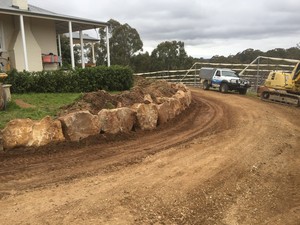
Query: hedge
[[114, 78]]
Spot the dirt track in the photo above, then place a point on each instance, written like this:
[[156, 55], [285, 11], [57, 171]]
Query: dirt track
[[229, 159]]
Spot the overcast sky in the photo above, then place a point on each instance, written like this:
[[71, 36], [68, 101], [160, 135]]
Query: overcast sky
[[207, 27]]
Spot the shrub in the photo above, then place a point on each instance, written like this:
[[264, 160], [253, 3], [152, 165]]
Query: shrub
[[114, 78]]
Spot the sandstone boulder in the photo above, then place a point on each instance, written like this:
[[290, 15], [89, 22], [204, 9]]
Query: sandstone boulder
[[148, 99], [182, 87], [26, 133], [179, 86], [147, 115], [164, 112], [161, 100], [17, 133], [175, 107], [79, 125], [181, 96], [46, 131], [116, 120]]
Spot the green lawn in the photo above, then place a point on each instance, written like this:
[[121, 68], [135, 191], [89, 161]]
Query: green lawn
[[44, 104]]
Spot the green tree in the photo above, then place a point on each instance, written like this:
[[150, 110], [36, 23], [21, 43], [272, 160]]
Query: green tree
[[124, 43], [277, 52], [293, 53], [218, 59], [101, 48], [170, 55], [141, 62], [65, 51], [248, 55]]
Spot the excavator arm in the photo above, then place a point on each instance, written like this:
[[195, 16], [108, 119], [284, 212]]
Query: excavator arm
[[296, 72], [296, 79]]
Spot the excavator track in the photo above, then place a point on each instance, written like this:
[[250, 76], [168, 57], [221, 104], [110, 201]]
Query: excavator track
[[281, 98]]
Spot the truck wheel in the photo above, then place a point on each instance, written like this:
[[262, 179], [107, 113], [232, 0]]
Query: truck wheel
[[205, 85], [243, 91], [224, 88]]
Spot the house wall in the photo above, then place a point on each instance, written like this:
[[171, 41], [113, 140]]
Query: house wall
[[8, 31], [34, 53], [40, 38], [45, 34]]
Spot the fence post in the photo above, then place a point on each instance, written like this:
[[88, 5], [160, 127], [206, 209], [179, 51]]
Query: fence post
[[195, 76], [257, 75]]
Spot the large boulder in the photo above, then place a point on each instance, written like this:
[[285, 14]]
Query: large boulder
[[164, 112], [168, 108], [147, 115], [148, 99], [161, 100], [175, 107], [26, 133], [17, 133], [179, 86], [183, 99], [46, 131], [116, 120], [79, 125]]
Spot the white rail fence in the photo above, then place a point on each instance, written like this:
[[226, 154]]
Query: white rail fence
[[256, 72]]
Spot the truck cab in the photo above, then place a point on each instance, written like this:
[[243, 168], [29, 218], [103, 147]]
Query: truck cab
[[223, 79]]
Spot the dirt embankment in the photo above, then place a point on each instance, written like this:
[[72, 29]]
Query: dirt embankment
[[228, 159], [95, 101]]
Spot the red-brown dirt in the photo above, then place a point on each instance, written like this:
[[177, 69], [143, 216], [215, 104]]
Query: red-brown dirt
[[23, 104], [228, 159], [95, 101]]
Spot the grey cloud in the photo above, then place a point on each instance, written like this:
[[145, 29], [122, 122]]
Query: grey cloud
[[193, 21]]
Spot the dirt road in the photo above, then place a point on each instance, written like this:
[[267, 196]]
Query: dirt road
[[228, 159]]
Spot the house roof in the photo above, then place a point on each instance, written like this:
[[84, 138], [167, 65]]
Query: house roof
[[61, 21], [86, 38]]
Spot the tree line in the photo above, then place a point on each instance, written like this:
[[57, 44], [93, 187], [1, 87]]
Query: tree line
[[126, 49]]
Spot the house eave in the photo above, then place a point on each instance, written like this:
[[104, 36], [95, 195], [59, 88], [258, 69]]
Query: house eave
[[79, 23]]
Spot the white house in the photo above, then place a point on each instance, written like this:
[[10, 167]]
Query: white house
[[27, 33]]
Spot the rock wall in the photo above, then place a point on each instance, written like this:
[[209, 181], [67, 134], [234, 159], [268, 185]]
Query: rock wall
[[81, 124]]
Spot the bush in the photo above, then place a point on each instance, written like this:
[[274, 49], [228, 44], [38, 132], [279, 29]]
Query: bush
[[114, 78]]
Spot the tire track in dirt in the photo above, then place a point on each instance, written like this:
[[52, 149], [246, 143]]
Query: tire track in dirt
[[28, 168], [229, 159]]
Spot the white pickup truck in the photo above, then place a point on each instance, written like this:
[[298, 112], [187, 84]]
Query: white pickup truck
[[223, 79]]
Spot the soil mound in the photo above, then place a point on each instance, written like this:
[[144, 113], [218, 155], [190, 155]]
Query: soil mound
[[95, 101]]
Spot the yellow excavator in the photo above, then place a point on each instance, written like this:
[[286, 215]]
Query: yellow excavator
[[282, 87]]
